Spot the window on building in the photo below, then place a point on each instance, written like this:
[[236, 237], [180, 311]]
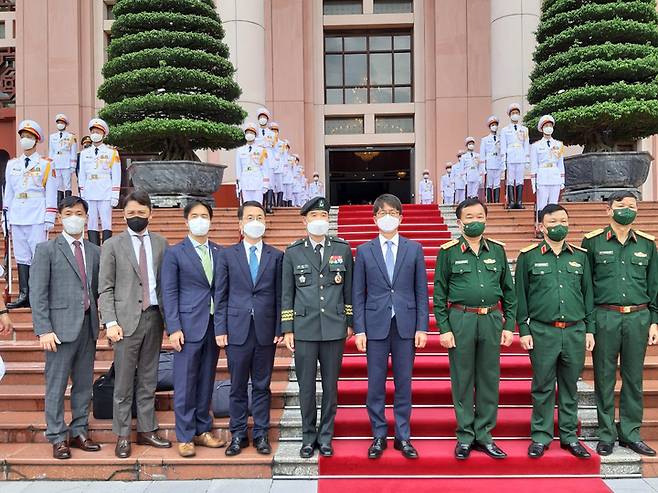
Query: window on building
[[397, 124], [342, 7], [393, 6], [2, 30], [109, 5], [343, 125], [365, 68]]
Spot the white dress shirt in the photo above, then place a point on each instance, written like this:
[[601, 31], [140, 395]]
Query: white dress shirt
[[394, 246], [153, 296], [259, 249], [314, 243], [69, 239]]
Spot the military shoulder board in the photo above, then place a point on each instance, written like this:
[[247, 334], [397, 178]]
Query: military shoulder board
[[496, 242], [645, 235], [449, 244], [576, 247], [529, 247], [594, 233]]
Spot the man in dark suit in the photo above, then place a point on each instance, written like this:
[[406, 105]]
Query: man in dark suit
[[188, 288], [247, 323], [63, 296], [130, 300], [391, 315]]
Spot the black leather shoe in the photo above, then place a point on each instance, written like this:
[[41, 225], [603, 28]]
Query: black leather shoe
[[404, 446], [153, 439], [536, 450], [377, 448], [85, 443], [326, 450], [236, 445], [576, 449], [122, 450], [463, 450], [61, 450], [262, 445], [307, 450], [604, 448], [491, 449], [639, 448]]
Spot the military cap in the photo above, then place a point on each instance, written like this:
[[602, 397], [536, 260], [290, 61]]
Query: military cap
[[99, 124], [32, 127], [315, 204], [61, 117], [544, 120]]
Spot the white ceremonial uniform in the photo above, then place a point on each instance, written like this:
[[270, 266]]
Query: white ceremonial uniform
[[279, 158], [426, 191], [265, 138], [448, 189], [63, 150], [100, 183], [289, 178], [30, 202], [298, 186], [547, 169], [459, 179], [515, 149], [493, 164], [251, 162], [474, 170], [315, 189]]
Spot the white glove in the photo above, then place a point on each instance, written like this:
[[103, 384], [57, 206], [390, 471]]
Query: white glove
[[114, 202], [49, 225]]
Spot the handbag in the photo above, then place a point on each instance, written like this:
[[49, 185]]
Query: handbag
[[165, 371], [102, 396], [221, 398]]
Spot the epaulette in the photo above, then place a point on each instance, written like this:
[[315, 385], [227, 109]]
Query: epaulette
[[450, 244], [496, 242], [584, 250], [46, 159], [295, 243], [338, 239], [645, 235], [594, 233], [529, 247]]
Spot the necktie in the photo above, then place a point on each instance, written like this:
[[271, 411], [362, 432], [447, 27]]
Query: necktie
[[494, 137], [60, 135], [318, 253], [83, 273], [249, 148], [390, 261], [96, 151], [206, 263], [515, 127], [253, 263], [27, 162], [143, 273], [548, 143]]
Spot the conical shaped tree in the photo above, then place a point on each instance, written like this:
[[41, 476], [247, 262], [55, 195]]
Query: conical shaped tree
[[169, 85], [596, 72]]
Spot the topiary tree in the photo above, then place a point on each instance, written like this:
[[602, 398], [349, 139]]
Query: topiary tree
[[169, 85], [596, 71]]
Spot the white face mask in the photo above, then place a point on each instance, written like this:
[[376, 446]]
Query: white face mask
[[263, 121], [199, 226], [249, 137], [319, 227], [388, 223], [61, 126], [493, 128], [254, 229], [515, 117], [548, 130], [470, 147], [74, 225], [427, 177], [28, 143], [96, 137], [315, 178]]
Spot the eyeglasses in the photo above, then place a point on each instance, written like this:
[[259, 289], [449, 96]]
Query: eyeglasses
[[389, 213]]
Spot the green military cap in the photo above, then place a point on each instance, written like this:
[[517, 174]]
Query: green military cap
[[315, 204]]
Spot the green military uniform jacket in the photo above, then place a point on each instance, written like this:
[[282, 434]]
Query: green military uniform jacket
[[316, 301], [471, 280], [553, 288], [626, 274]]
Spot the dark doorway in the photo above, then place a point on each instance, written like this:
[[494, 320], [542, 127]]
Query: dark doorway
[[359, 175]]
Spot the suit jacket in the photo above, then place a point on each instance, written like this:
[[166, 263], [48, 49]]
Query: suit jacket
[[120, 290], [186, 292], [238, 298], [374, 294], [56, 292]]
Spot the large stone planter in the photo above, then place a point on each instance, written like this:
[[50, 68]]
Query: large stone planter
[[174, 183], [596, 175]]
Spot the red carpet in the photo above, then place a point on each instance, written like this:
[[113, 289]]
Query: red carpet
[[433, 420]]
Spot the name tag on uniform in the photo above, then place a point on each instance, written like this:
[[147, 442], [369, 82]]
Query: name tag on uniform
[[460, 262], [606, 252], [640, 254], [574, 264], [541, 264]]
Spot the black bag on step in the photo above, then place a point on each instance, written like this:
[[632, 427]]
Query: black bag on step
[[165, 371], [103, 394], [221, 397]]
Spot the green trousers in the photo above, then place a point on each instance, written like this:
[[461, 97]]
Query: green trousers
[[475, 373], [558, 357], [623, 336]]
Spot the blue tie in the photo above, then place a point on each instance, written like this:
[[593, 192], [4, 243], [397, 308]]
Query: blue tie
[[253, 263], [390, 262]]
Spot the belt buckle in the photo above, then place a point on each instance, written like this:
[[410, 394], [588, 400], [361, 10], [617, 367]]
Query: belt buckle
[[626, 309], [561, 325], [483, 310], [94, 177], [22, 195]]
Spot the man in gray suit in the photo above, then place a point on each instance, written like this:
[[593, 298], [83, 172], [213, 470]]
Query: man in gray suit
[[63, 296], [130, 308]]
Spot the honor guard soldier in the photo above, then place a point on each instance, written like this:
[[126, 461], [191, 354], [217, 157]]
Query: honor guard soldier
[[279, 157], [515, 148], [471, 278], [493, 164], [100, 180], [459, 179], [316, 187], [555, 305], [426, 189], [288, 178], [63, 150], [625, 277], [250, 159], [298, 185], [316, 316], [265, 138], [448, 186], [30, 203], [472, 167]]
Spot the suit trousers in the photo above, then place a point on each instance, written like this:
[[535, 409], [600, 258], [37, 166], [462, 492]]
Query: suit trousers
[[194, 380], [137, 355], [402, 353], [75, 360], [250, 360], [307, 355]]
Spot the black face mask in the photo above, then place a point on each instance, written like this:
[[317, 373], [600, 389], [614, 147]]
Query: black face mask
[[137, 224]]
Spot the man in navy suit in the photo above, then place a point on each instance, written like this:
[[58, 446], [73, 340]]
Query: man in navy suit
[[248, 324], [391, 310], [188, 286]]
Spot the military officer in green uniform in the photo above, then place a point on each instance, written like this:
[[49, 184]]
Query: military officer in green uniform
[[316, 316], [555, 304], [471, 278], [625, 279]]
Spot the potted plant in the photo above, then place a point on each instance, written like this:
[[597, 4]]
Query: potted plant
[[596, 73], [169, 90]]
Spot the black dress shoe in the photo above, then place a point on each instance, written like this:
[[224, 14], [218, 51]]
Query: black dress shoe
[[536, 450], [85, 443], [262, 445], [236, 445], [491, 449], [604, 448], [404, 446], [326, 450], [153, 439], [307, 450], [377, 448], [576, 449], [639, 448], [123, 449], [463, 450], [61, 450]]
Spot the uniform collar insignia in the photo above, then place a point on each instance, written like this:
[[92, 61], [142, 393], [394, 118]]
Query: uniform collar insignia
[[611, 234], [464, 246], [544, 249]]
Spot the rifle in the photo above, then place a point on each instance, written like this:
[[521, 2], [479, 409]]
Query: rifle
[[6, 262]]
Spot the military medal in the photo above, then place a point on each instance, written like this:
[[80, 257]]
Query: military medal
[[338, 279]]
